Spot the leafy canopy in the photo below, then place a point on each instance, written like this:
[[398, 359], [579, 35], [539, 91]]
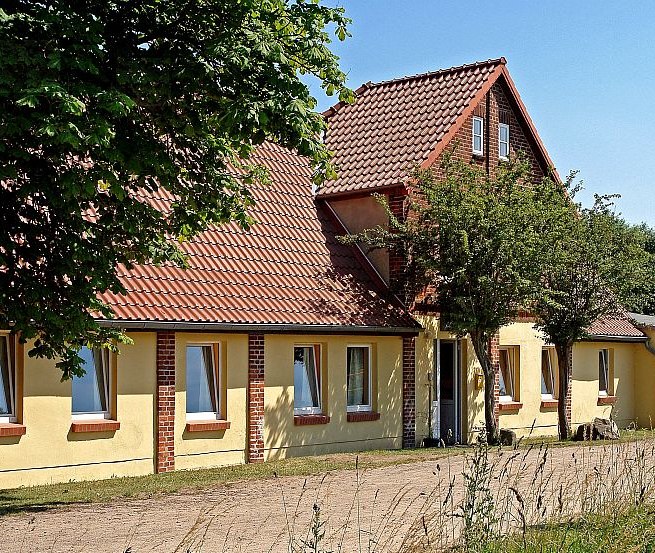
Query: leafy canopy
[[598, 266], [105, 105]]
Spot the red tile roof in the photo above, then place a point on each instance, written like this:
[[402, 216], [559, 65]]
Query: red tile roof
[[614, 326], [396, 124], [288, 269]]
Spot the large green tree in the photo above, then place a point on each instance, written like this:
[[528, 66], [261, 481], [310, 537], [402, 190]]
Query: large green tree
[[477, 240], [597, 265], [107, 103]]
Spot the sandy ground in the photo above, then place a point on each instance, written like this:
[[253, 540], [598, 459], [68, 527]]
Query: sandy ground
[[390, 507]]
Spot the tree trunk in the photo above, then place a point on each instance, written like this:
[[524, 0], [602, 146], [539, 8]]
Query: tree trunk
[[480, 343], [564, 357]]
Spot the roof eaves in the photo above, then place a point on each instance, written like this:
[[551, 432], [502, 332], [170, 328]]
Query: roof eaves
[[613, 338], [192, 326]]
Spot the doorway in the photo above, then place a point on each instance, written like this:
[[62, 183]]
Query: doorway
[[447, 404]]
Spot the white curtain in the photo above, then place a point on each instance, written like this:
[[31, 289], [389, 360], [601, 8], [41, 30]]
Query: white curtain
[[357, 376], [306, 370], [90, 390]]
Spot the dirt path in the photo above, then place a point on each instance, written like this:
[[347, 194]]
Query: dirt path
[[257, 516]]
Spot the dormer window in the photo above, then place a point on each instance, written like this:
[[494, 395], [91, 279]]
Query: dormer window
[[503, 141], [478, 136]]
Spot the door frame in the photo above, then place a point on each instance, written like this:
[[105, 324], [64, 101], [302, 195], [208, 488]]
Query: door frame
[[457, 388]]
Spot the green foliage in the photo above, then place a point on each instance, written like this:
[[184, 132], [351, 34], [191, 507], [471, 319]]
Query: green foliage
[[477, 239], [107, 106], [597, 266]]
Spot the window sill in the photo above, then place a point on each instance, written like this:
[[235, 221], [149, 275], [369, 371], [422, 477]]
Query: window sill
[[304, 420], [509, 406], [606, 400], [549, 403], [363, 416], [9, 429], [207, 426], [100, 425]]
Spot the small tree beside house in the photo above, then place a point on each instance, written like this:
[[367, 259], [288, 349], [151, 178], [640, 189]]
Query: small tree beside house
[[597, 266], [477, 240]]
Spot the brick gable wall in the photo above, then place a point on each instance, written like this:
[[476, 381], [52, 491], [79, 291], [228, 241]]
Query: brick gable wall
[[494, 108]]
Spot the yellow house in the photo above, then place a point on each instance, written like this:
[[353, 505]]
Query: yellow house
[[282, 341]]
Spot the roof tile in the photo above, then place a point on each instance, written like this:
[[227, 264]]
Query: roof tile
[[397, 123], [289, 268]]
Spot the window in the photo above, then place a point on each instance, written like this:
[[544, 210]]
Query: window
[[508, 372], [307, 379], [478, 136], [202, 382], [503, 141], [359, 378], [7, 381], [548, 372], [91, 391], [604, 377]]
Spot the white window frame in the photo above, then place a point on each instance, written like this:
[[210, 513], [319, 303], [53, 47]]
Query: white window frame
[[479, 152], [605, 352], [108, 385], [501, 141], [368, 407], [218, 381], [552, 355], [11, 371], [312, 410], [512, 353]]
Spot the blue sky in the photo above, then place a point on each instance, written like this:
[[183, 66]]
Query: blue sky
[[585, 70]]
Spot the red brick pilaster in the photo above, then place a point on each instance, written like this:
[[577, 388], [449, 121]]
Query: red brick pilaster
[[409, 392], [494, 354], [165, 454], [255, 446]]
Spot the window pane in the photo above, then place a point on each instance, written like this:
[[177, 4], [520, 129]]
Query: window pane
[[477, 143], [306, 378], [5, 382], [603, 363], [358, 376], [89, 390], [200, 380], [546, 372]]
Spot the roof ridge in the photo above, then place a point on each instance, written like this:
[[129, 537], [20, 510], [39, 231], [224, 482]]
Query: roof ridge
[[369, 84], [454, 69]]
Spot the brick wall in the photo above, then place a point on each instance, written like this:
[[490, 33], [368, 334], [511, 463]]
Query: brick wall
[[409, 392], [165, 454], [255, 446], [396, 257]]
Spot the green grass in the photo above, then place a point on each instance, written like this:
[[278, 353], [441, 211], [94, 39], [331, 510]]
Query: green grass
[[621, 531]]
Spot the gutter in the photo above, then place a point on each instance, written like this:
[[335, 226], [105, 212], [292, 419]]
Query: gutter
[[260, 328], [608, 338]]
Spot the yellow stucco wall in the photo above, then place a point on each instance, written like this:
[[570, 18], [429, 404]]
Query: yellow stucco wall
[[210, 449], [644, 399], [584, 388], [49, 452], [531, 418], [283, 439]]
